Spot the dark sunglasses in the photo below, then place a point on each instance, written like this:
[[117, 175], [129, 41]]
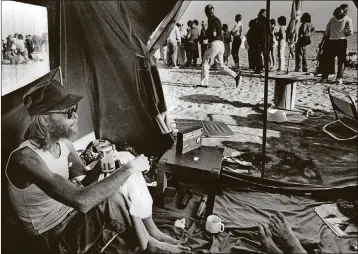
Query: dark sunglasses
[[69, 112]]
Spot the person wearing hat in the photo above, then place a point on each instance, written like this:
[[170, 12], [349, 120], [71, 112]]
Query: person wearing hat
[[215, 49], [71, 217]]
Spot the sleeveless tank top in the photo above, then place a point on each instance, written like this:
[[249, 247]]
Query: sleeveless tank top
[[38, 211]]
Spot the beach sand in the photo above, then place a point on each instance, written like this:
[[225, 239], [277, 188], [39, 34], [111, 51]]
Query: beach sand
[[297, 150]]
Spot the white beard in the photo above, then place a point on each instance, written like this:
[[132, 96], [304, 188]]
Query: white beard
[[61, 129]]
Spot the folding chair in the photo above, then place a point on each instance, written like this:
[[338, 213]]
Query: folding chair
[[345, 114]]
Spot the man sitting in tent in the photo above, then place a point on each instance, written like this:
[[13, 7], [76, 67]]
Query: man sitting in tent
[[69, 216]]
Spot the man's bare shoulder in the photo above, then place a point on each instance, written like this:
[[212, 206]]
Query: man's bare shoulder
[[23, 154], [22, 166], [25, 157]]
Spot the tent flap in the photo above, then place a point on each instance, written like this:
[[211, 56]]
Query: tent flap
[[103, 51], [162, 32]]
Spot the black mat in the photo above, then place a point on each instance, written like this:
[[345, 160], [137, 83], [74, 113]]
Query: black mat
[[242, 211]]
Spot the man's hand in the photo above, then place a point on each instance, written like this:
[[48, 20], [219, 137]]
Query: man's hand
[[140, 163], [347, 32], [123, 157]]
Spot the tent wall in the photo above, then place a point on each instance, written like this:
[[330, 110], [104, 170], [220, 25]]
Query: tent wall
[[104, 56], [73, 67]]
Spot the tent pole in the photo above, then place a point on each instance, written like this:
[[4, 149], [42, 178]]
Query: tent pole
[[266, 58]]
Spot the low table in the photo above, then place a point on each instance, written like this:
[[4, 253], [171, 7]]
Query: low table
[[285, 87], [206, 167]]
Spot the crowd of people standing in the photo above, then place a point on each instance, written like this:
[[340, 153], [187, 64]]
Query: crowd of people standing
[[189, 41], [183, 45], [19, 49]]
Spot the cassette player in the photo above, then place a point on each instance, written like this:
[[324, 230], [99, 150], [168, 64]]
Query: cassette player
[[189, 139]]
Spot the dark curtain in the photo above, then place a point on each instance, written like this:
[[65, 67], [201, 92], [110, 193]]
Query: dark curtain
[[104, 56]]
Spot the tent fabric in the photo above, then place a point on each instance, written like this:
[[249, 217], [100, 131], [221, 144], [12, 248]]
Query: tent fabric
[[103, 51], [162, 32], [292, 28], [242, 209], [318, 191]]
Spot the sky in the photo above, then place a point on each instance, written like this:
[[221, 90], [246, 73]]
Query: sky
[[22, 19], [321, 11], [29, 19]]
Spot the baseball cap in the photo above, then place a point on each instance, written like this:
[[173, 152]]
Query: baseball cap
[[48, 96]]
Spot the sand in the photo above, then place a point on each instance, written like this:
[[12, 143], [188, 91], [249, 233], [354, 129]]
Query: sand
[[298, 150]]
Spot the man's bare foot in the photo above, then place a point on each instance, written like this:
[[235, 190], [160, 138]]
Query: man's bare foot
[[154, 246], [154, 231], [168, 239], [266, 241], [280, 229]]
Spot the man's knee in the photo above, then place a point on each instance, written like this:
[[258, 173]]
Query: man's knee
[[117, 200], [207, 62]]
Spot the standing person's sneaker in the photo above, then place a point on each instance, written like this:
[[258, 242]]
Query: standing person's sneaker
[[324, 80], [331, 75], [236, 66], [176, 67], [339, 81], [238, 80]]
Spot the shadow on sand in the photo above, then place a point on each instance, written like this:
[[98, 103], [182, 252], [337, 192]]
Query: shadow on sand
[[302, 152]]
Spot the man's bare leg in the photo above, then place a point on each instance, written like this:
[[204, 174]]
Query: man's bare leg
[[280, 229], [154, 246], [266, 241], [154, 231]]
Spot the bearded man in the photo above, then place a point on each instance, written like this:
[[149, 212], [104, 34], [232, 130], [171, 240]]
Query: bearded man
[[49, 204]]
